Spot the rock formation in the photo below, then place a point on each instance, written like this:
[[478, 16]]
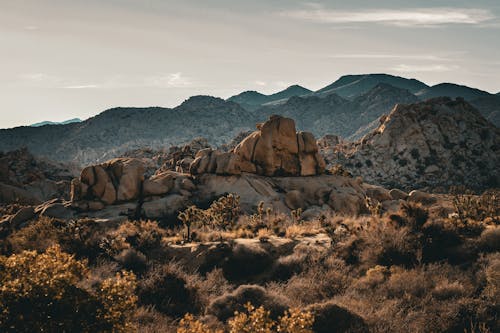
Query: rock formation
[[114, 181], [26, 179], [437, 143], [275, 149]]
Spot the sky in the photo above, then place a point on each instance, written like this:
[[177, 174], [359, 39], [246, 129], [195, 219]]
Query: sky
[[61, 59]]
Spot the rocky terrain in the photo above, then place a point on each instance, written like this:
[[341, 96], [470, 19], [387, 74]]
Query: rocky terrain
[[259, 236], [440, 142], [120, 187], [25, 179]]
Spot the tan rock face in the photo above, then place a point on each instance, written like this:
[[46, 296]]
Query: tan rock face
[[110, 182], [275, 149], [437, 143]]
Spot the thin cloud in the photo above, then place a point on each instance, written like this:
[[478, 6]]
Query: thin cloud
[[174, 80], [418, 17], [403, 68], [84, 86], [389, 56]]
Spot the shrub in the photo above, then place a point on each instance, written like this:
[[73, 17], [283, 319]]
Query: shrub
[[259, 320], [171, 290], [318, 283], [43, 292], [489, 241], [189, 324], [329, 317], [133, 260], [224, 306], [221, 214], [415, 215], [246, 262], [470, 206], [386, 244]]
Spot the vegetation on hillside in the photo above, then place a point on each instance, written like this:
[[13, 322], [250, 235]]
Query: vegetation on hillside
[[415, 270]]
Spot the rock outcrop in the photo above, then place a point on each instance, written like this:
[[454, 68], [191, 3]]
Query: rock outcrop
[[114, 181], [26, 179], [275, 149], [437, 143]]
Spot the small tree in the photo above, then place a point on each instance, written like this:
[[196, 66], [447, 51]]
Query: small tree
[[225, 211], [192, 216]]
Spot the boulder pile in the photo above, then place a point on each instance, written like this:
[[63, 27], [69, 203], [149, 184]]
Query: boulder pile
[[274, 149]]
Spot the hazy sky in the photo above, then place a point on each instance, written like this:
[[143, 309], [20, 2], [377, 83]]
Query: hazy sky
[[75, 58]]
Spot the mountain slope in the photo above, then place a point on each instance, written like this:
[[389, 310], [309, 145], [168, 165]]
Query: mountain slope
[[452, 90], [332, 114], [251, 100], [489, 107], [350, 86], [121, 129], [439, 142]]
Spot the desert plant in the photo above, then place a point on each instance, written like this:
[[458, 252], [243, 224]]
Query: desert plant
[[171, 290], [476, 207], [415, 215], [223, 307], [43, 292], [259, 320], [225, 211], [193, 216], [189, 324]]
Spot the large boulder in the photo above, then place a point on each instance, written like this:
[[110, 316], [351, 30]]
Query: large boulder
[[275, 149], [117, 180]]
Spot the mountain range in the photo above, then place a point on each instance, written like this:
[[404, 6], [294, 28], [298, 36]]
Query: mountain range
[[65, 122], [349, 107]]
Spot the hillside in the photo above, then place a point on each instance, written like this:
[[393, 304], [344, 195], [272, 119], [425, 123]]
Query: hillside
[[489, 107], [437, 143], [121, 129], [333, 114]]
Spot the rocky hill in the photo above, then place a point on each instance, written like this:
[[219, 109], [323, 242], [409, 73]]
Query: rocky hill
[[440, 142]]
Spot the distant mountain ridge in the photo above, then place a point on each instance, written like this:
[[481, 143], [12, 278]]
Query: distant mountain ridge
[[333, 114], [121, 129], [117, 130], [253, 99], [350, 86], [69, 121], [451, 90]]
